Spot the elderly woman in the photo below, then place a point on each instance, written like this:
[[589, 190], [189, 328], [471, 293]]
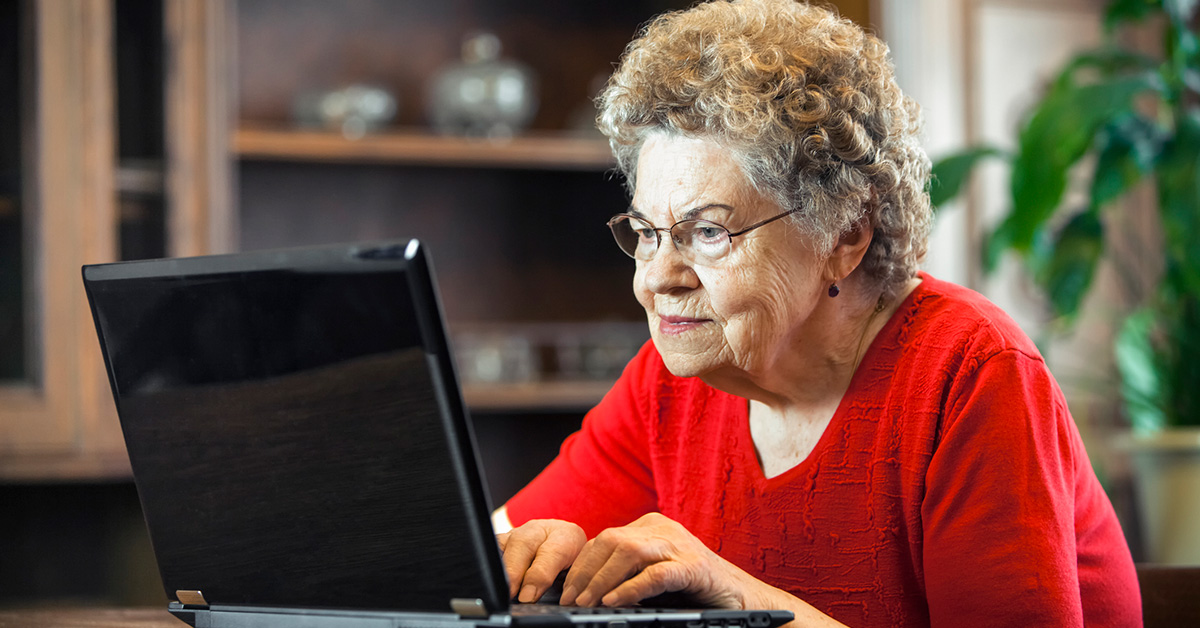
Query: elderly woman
[[815, 425]]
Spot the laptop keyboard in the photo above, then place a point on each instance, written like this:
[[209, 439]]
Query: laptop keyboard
[[555, 609], [632, 617]]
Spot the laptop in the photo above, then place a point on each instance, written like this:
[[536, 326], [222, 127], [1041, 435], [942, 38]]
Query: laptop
[[301, 448]]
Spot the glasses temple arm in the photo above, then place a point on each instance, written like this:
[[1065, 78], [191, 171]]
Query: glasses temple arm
[[765, 222]]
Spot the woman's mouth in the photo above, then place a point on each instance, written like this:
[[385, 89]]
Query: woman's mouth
[[673, 325]]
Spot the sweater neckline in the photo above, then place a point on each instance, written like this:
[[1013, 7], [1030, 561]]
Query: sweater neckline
[[887, 337]]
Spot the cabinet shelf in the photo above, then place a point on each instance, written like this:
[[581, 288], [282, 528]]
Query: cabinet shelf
[[543, 151], [573, 396]]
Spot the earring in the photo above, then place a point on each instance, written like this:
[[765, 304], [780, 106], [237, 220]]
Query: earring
[[834, 290]]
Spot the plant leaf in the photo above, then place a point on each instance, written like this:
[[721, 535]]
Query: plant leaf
[[1187, 42], [1178, 306], [1179, 205], [1071, 263], [1183, 53], [1181, 11], [995, 243], [1141, 373], [1184, 384], [1129, 10], [952, 172], [1059, 132], [1110, 61], [1191, 79], [1129, 147]]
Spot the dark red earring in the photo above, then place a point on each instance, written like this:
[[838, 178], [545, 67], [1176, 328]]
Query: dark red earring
[[834, 290]]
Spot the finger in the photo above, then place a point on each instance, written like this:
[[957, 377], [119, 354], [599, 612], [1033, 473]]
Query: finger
[[519, 548], [655, 579], [556, 552], [553, 556], [540, 576], [625, 561], [502, 540], [590, 559], [612, 557]]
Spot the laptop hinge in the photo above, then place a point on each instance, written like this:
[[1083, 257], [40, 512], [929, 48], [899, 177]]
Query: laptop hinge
[[468, 607], [190, 598]]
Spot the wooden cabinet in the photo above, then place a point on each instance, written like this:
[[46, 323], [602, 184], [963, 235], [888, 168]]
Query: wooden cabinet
[[165, 127], [526, 266], [516, 227], [52, 405], [67, 203]]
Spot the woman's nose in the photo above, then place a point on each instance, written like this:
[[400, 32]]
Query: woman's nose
[[668, 271]]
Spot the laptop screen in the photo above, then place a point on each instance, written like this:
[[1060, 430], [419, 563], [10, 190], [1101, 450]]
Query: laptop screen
[[295, 430]]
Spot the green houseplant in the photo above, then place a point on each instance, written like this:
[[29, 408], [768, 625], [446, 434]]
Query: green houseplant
[[1123, 118]]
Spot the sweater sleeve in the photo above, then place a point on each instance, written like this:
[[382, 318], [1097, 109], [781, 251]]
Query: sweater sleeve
[[998, 514], [602, 475]]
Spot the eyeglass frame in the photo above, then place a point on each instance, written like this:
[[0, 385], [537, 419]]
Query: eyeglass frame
[[658, 235]]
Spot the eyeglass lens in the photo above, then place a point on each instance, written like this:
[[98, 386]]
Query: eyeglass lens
[[699, 241]]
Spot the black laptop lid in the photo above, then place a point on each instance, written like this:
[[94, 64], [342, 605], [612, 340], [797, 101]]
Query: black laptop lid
[[295, 429]]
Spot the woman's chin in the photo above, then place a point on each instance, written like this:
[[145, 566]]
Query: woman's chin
[[690, 354], [687, 364]]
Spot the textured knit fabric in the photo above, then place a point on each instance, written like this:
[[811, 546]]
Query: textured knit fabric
[[951, 487]]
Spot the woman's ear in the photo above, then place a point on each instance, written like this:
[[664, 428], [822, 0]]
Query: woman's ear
[[850, 248]]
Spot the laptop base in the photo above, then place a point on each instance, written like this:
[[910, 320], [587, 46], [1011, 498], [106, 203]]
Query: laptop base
[[527, 615]]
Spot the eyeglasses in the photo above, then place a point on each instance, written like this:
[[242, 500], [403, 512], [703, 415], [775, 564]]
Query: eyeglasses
[[700, 242]]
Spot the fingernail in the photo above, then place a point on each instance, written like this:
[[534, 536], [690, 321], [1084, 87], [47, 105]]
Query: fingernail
[[584, 599], [528, 594], [568, 596]]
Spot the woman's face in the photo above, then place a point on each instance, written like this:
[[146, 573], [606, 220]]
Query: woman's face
[[744, 313]]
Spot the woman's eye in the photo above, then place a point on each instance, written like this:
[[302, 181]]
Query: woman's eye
[[709, 232], [645, 234]]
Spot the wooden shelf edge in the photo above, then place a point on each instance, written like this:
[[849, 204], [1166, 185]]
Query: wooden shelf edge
[[534, 151], [577, 396], [66, 467]]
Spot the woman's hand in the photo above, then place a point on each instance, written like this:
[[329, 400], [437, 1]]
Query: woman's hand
[[625, 565], [536, 552], [655, 555]]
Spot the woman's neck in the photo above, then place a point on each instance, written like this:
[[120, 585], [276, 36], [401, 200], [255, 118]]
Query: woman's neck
[[815, 367]]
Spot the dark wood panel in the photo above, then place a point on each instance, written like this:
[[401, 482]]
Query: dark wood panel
[[72, 543], [90, 618], [1170, 595], [507, 245], [286, 47], [514, 447]]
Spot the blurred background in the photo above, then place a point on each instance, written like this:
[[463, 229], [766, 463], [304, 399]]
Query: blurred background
[[148, 128]]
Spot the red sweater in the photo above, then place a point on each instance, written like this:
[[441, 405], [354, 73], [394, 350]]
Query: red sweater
[[951, 487]]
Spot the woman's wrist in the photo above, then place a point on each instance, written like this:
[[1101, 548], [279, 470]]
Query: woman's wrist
[[767, 597]]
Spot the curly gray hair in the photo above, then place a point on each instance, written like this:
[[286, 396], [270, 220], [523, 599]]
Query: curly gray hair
[[809, 107]]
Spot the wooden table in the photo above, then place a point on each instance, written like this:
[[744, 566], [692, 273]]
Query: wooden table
[[89, 618], [1170, 595]]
